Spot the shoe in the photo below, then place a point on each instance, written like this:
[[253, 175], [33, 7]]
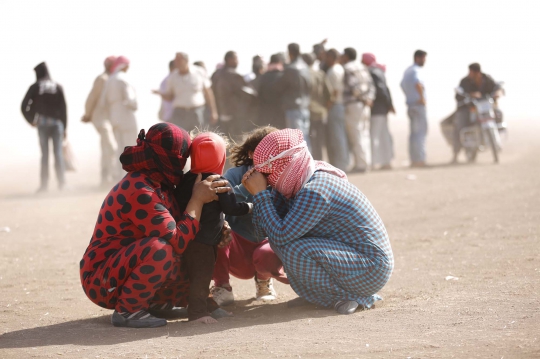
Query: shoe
[[265, 289], [168, 311], [346, 306], [222, 295], [140, 319]]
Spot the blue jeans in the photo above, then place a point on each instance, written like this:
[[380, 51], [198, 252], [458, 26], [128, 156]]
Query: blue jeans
[[51, 128], [419, 128], [337, 145], [299, 119]]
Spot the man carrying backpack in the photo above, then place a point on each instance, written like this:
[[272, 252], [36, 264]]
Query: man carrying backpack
[[358, 95]]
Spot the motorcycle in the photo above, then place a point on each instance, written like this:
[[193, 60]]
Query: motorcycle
[[486, 124]]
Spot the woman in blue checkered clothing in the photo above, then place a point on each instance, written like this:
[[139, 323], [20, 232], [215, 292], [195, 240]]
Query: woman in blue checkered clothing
[[332, 242]]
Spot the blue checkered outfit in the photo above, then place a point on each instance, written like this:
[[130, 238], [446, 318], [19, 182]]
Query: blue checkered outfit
[[331, 240]]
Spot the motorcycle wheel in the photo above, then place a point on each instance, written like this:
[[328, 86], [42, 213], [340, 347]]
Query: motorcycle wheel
[[471, 154], [493, 146]]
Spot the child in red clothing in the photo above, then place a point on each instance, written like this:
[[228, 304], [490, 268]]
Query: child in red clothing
[[208, 155]]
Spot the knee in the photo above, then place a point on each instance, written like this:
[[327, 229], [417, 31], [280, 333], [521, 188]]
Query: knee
[[265, 260], [158, 249]]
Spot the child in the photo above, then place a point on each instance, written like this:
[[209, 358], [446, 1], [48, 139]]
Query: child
[[247, 256], [208, 156]]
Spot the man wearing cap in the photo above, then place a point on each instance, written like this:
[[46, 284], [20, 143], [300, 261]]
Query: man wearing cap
[[96, 113]]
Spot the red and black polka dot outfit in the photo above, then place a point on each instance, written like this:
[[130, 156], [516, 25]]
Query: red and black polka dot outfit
[[133, 259]]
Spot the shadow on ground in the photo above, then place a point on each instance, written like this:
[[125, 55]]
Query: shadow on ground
[[99, 331]]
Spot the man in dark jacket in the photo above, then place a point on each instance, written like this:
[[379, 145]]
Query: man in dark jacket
[[382, 146], [477, 85], [232, 102], [295, 87], [269, 99], [44, 107]]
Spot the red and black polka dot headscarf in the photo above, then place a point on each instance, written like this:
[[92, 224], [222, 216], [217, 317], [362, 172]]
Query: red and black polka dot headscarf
[[161, 153]]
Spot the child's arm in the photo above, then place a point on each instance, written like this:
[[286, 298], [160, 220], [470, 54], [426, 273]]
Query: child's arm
[[230, 207]]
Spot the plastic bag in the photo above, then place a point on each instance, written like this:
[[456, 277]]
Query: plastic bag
[[69, 158]]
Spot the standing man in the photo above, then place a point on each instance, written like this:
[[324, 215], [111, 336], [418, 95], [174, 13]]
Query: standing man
[[189, 90], [295, 88], [338, 151], [97, 114], [166, 109], [121, 103], [269, 100], [358, 96], [44, 107], [382, 146], [415, 93], [318, 114], [231, 100]]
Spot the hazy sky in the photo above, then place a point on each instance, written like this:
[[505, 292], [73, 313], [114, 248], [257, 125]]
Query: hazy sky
[[74, 37]]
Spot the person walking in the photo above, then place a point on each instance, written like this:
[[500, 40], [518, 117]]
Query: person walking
[[338, 151], [120, 100], [333, 244], [231, 100], [166, 109], [358, 96], [44, 107], [382, 146], [415, 93], [189, 89], [96, 114], [318, 114], [270, 111], [295, 88]]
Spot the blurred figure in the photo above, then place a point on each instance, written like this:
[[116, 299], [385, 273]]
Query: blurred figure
[[382, 146], [358, 96], [477, 84], [415, 93], [320, 52], [44, 107], [317, 107], [207, 116], [231, 100], [270, 111], [166, 109], [189, 90], [98, 115], [295, 87], [338, 151], [257, 69], [121, 102]]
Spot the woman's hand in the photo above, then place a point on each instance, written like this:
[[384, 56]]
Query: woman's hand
[[226, 237], [254, 182], [206, 191]]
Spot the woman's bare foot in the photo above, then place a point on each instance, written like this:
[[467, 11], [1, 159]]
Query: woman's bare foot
[[205, 320]]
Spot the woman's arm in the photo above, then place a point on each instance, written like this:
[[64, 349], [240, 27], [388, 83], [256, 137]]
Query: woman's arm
[[308, 210]]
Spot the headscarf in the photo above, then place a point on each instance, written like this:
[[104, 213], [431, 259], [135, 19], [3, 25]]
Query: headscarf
[[285, 157], [161, 154], [369, 59], [119, 64], [208, 153]]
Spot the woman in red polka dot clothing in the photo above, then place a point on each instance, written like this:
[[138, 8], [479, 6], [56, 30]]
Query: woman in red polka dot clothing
[[132, 264]]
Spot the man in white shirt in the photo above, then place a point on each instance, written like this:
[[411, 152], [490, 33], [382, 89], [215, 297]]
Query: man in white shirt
[[189, 89], [338, 151]]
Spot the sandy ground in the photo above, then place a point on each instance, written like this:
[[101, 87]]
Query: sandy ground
[[478, 223]]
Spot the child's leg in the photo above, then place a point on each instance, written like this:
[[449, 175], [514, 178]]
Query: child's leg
[[221, 270], [200, 260]]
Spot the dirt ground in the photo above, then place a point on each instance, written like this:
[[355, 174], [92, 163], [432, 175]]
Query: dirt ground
[[479, 223]]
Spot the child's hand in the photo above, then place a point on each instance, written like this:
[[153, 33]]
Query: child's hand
[[226, 237]]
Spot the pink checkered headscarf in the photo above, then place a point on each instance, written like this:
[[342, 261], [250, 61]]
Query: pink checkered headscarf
[[284, 156]]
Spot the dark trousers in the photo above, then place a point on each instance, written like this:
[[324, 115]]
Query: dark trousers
[[51, 129], [200, 260], [317, 135]]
